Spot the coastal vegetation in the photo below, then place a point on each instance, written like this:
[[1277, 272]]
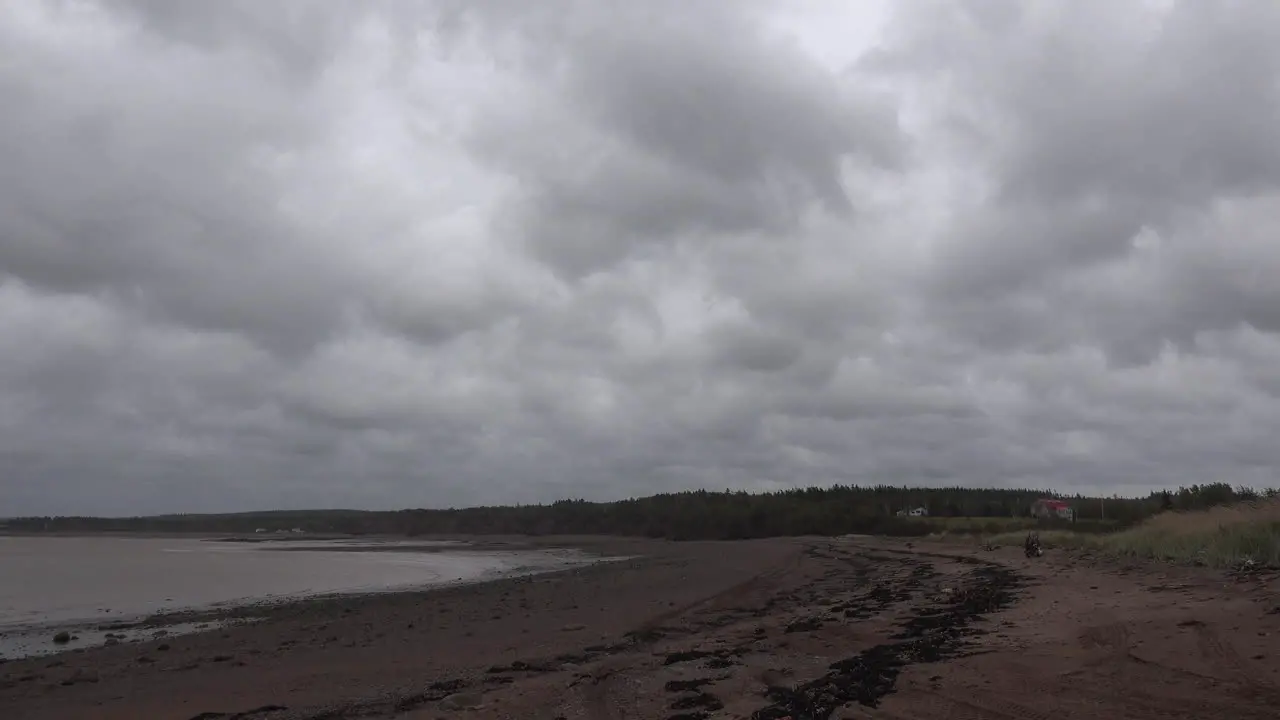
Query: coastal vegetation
[[1241, 534], [728, 515]]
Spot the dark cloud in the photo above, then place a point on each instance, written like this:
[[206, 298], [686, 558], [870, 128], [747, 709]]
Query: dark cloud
[[665, 121], [396, 253], [1095, 123]]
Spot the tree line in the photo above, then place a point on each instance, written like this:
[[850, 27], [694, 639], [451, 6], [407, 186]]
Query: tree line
[[689, 515]]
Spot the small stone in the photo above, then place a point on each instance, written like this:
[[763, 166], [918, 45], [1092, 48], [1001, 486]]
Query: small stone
[[573, 628], [62, 637]]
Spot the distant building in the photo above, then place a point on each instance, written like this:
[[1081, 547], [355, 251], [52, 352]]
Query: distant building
[[917, 512], [1049, 508]]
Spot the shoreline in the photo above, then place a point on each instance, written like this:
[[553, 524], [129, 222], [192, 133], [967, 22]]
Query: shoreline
[[23, 639], [852, 627]]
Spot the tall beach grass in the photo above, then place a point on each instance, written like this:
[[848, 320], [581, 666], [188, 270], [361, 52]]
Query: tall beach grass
[[1224, 536]]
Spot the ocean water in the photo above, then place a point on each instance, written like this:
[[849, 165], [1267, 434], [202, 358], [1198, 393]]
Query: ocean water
[[84, 583]]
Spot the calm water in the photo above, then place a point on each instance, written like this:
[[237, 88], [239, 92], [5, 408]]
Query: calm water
[[57, 582]]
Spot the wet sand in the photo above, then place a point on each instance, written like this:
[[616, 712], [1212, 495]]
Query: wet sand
[[842, 628]]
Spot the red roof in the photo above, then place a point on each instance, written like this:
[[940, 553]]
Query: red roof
[[1055, 504]]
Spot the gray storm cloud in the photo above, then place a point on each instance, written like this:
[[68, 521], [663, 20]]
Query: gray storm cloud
[[389, 254]]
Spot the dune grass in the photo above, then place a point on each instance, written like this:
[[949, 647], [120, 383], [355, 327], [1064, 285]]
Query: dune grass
[[1225, 536], [1219, 537], [1048, 538], [975, 525], [945, 528]]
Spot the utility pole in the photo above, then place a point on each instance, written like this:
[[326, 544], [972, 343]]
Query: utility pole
[[1103, 503]]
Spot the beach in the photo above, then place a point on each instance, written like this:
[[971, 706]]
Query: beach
[[852, 627]]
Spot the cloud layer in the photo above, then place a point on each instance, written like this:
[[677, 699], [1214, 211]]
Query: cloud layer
[[388, 254]]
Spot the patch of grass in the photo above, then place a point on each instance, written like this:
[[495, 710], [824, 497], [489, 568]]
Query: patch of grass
[[976, 525], [1048, 538], [984, 528], [1225, 536], [1219, 537]]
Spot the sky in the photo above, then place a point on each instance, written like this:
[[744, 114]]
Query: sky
[[388, 253]]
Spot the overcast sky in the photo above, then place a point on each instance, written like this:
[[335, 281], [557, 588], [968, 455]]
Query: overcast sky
[[385, 254]]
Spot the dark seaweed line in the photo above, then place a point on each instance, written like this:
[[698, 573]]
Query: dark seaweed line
[[929, 635]]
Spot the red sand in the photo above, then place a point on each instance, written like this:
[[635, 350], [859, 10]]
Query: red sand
[[1083, 639]]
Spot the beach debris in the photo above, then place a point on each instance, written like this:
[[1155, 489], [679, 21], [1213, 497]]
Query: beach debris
[[930, 635], [521, 666], [693, 685], [804, 625], [1247, 568], [685, 656], [702, 700], [1031, 546], [246, 715], [62, 638]]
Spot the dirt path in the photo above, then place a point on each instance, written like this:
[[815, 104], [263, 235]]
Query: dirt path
[[790, 628]]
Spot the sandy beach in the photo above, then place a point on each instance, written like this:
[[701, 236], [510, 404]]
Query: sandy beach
[[769, 629]]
